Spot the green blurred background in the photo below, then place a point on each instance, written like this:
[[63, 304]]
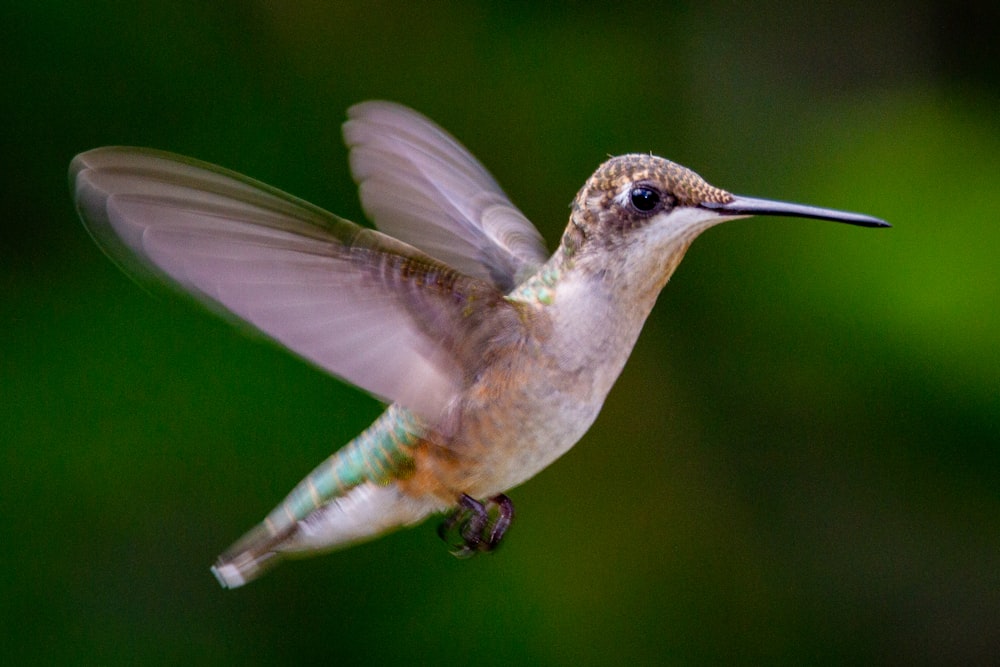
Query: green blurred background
[[800, 464]]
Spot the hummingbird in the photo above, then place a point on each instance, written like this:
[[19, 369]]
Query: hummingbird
[[493, 356]]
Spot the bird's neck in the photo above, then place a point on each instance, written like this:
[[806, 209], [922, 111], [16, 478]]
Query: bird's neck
[[627, 278], [593, 307]]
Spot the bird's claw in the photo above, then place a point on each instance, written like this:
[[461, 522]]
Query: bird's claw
[[480, 526]]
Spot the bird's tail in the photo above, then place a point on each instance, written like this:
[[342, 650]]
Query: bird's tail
[[349, 498], [366, 511], [251, 556]]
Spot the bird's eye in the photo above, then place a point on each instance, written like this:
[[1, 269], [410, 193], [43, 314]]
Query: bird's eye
[[644, 199]]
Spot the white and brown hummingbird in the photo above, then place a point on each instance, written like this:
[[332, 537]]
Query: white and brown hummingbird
[[494, 358]]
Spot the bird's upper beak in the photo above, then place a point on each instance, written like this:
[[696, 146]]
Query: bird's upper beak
[[750, 206]]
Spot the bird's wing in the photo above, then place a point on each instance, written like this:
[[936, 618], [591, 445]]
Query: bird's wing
[[418, 184], [355, 302]]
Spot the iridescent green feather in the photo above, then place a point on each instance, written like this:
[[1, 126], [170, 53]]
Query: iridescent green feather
[[379, 454]]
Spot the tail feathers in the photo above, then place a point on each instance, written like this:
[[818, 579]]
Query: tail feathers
[[253, 555], [366, 511]]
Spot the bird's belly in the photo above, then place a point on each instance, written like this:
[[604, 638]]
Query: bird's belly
[[532, 402], [519, 435]]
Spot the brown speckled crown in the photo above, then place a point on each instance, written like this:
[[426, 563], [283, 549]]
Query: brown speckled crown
[[594, 203], [688, 188]]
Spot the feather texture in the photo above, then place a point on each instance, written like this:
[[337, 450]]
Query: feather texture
[[420, 185], [365, 307]]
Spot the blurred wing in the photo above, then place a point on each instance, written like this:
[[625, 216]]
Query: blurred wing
[[418, 184], [363, 306]]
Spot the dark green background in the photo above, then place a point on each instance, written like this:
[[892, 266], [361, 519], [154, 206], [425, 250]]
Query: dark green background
[[800, 464]]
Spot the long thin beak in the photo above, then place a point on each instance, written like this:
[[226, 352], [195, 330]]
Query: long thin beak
[[750, 206]]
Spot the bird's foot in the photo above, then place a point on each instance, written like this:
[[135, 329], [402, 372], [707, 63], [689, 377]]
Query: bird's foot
[[480, 526]]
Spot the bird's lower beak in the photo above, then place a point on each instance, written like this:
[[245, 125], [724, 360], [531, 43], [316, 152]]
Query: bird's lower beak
[[750, 206]]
